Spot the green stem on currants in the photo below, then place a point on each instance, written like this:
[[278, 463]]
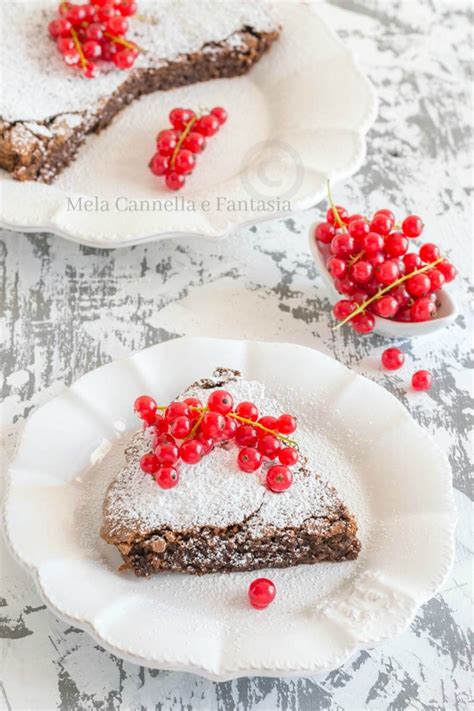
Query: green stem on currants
[[361, 307]]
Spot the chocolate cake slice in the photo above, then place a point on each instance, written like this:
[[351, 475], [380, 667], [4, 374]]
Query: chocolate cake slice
[[219, 519], [47, 109]]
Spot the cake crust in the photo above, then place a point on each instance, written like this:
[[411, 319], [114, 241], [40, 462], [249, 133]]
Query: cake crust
[[251, 542]]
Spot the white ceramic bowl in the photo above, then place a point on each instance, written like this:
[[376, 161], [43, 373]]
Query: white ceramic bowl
[[383, 326]]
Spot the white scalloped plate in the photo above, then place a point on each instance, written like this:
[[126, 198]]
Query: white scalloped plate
[[299, 116], [388, 470]]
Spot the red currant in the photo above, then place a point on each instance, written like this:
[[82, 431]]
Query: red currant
[[220, 114], [160, 424], [400, 294], [149, 463], [65, 44], [145, 408], [176, 409], [175, 181], [447, 269], [269, 446], [249, 459], [358, 229], [422, 380], [337, 267], [76, 15], [343, 245], [261, 593], [90, 70], [166, 477], [412, 261], [286, 424], [423, 309], [362, 271], [324, 232], [117, 25], [437, 279], [269, 422], [387, 272], [191, 451], [392, 359], [194, 142], [396, 244], [220, 401], [179, 118], [412, 226], [213, 424], [288, 456], [109, 50], [206, 442], [208, 125], [342, 309], [429, 252], [382, 222], [124, 59], [246, 436], [230, 428], [345, 286], [159, 165], [163, 438], [193, 402], [418, 285], [373, 243], [363, 323], [279, 478], [72, 57], [247, 410], [127, 7], [167, 453], [387, 306], [92, 49], [180, 427], [341, 211]]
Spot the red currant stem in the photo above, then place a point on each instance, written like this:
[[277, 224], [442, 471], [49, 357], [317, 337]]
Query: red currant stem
[[355, 259], [123, 42], [235, 416], [78, 47], [198, 421], [385, 290], [333, 207], [182, 138]]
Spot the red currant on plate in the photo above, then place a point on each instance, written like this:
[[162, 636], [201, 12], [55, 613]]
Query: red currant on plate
[[363, 323], [324, 232], [342, 213], [396, 244], [337, 267], [246, 436], [373, 243], [422, 309], [269, 446], [447, 269], [412, 261], [176, 409], [159, 164], [117, 25], [167, 477], [418, 284], [392, 358], [412, 226], [149, 463], [180, 427], [362, 271], [288, 456], [387, 306], [261, 593], [343, 245], [184, 162], [191, 451], [179, 118], [437, 279], [422, 380], [145, 408], [194, 142], [208, 125], [247, 410], [387, 272], [220, 401], [358, 228], [249, 459], [343, 308], [269, 422], [220, 114], [124, 59], [175, 181], [382, 222], [167, 453], [429, 252], [213, 424], [286, 424], [279, 478]]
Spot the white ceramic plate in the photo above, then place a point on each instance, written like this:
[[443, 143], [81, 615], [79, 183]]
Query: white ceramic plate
[[300, 115], [387, 469]]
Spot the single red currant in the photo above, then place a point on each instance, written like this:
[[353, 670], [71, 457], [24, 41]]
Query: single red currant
[[345, 286], [387, 306], [175, 181], [412, 226], [76, 15], [362, 271], [422, 380], [337, 267], [166, 477], [448, 270], [145, 408], [90, 70], [149, 463], [208, 125], [387, 272], [437, 279], [176, 409], [392, 358], [343, 245], [92, 49], [117, 25], [109, 50], [220, 114], [429, 252], [213, 424], [206, 442], [358, 229], [191, 451], [363, 323], [230, 428], [341, 211], [194, 142], [179, 118], [343, 308], [261, 593], [423, 309], [279, 478], [412, 261], [220, 401], [269, 422], [65, 44], [180, 427], [269, 446], [324, 232], [247, 410], [159, 165], [418, 285], [160, 424], [184, 162], [167, 453], [382, 222], [286, 424], [124, 58], [246, 436], [127, 7], [400, 294], [249, 459], [288, 456], [396, 244], [163, 438], [373, 243], [72, 57], [193, 402]]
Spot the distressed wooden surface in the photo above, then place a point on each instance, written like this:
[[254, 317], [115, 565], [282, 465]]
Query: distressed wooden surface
[[67, 309]]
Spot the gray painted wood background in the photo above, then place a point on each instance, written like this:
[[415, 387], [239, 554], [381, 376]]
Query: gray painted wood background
[[67, 309]]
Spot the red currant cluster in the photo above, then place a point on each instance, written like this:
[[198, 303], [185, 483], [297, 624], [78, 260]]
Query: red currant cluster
[[177, 147], [188, 431], [370, 263], [394, 358], [95, 30]]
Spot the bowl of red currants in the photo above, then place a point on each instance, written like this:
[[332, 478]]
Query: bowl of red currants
[[383, 280]]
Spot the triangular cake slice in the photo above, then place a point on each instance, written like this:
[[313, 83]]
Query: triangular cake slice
[[219, 519]]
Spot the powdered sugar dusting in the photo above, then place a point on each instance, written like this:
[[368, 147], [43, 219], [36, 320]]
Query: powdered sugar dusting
[[214, 492], [36, 84]]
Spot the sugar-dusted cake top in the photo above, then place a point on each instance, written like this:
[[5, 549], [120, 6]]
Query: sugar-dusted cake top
[[36, 84], [214, 492]]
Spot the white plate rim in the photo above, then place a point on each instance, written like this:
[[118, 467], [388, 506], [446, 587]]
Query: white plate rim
[[445, 561]]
